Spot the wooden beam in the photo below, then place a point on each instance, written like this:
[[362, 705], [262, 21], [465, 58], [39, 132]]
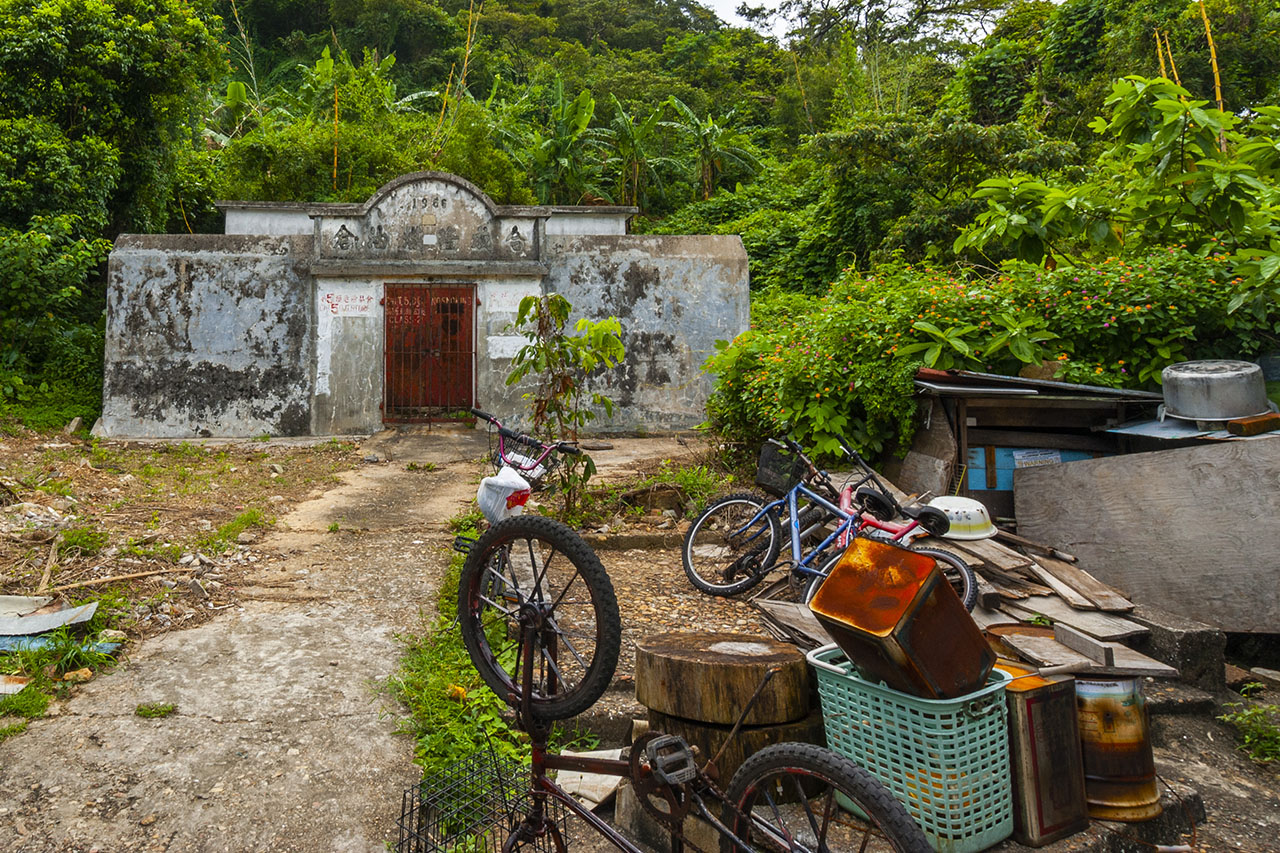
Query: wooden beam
[[1103, 596], [1095, 650]]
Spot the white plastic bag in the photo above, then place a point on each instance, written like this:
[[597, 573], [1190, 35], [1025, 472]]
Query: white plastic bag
[[502, 495]]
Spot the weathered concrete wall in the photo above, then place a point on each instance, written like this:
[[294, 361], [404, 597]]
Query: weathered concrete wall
[[675, 297], [348, 357], [208, 335]]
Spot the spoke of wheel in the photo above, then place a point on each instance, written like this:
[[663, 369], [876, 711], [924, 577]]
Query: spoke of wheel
[[565, 639], [573, 579], [786, 835], [539, 577], [819, 833], [546, 657]]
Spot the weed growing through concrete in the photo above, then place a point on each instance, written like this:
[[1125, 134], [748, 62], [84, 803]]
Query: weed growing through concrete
[[333, 527], [155, 710]]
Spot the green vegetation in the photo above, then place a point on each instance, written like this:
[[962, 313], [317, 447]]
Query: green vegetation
[[452, 714], [225, 536], [876, 149], [1257, 725], [560, 363], [155, 710]]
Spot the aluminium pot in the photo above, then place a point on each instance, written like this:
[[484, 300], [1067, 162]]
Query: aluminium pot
[[1214, 390]]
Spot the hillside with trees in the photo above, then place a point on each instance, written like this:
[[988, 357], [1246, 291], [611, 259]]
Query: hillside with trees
[[1090, 189]]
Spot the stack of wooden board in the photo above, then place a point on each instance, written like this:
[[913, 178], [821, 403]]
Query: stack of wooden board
[[1033, 587]]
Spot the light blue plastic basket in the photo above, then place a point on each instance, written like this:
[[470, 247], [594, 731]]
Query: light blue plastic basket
[[946, 760]]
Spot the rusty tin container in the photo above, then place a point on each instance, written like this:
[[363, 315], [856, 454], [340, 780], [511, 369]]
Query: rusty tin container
[[1044, 754], [899, 621], [1119, 769]]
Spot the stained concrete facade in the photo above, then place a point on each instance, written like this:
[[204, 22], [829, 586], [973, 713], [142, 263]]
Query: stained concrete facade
[[280, 326]]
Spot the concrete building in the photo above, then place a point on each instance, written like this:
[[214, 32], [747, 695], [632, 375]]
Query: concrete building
[[330, 319]]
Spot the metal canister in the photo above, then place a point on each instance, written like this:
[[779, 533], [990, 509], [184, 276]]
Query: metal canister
[[1044, 751], [899, 621], [1119, 768]]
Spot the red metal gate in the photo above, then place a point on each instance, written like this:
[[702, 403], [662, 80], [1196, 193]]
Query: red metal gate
[[430, 350]]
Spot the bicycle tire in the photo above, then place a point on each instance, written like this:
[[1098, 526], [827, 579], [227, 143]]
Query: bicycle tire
[[814, 779], [721, 563], [955, 570], [957, 573], [540, 563]]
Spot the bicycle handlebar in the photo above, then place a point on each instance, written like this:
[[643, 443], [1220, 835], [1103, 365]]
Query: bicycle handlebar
[[521, 438]]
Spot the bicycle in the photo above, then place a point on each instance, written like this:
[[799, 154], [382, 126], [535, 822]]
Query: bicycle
[[737, 540], [540, 621], [532, 467]]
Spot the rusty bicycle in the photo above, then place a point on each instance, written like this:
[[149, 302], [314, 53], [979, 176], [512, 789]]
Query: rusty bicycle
[[541, 623]]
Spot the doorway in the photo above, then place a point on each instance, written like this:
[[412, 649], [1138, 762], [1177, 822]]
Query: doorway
[[430, 351]]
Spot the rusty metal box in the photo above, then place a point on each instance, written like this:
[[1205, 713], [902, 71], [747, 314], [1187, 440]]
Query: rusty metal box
[[899, 621]]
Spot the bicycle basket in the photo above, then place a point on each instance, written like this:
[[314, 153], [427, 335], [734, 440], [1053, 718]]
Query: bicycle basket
[[778, 472], [470, 807]]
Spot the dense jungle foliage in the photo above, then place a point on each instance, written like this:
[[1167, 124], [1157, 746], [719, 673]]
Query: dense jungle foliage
[[1087, 188]]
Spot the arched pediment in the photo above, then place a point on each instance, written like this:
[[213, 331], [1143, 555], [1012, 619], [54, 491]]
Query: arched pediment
[[427, 216]]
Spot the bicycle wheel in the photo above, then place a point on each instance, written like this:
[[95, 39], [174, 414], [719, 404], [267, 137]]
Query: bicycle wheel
[[539, 570], [957, 573], [725, 552], [954, 569], [801, 798]]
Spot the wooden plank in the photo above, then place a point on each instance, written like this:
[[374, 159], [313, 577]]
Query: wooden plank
[[796, 619], [1104, 626], [1001, 590], [1190, 530], [1014, 582], [1102, 595], [986, 617], [1046, 651], [994, 553], [988, 595], [1047, 440], [1095, 650], [1066, 591]]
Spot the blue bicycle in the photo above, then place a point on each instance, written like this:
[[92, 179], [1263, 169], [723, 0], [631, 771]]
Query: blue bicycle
[[736, 542]]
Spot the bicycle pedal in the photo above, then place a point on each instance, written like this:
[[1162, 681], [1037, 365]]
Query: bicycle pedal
[[671, 759], [463, 544]]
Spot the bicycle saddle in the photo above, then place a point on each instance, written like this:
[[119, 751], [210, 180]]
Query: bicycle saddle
[[875, 503], [931, 518]]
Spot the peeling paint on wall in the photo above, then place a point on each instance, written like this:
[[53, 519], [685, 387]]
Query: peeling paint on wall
[[237, 335]]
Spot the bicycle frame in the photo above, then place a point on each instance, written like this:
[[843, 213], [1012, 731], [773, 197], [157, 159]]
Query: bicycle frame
[[536, 823], [853, 523]]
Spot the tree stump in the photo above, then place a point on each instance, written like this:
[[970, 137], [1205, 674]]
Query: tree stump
[[710, 677]]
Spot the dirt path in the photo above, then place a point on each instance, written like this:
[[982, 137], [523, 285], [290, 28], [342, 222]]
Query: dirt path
[[280, 740]]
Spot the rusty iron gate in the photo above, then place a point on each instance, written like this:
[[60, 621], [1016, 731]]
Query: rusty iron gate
[[430, 351]]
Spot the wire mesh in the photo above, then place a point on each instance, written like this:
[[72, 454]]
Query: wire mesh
[[777, 471], [470, 808]]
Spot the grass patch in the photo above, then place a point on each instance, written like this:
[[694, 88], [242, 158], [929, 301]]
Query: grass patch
[[155, 710], [29, 703], [424, 466], [333, 527], [226, 535], [82, 541], [7, 732]]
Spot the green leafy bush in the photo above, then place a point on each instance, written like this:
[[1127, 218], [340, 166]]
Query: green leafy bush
[[845, 366]]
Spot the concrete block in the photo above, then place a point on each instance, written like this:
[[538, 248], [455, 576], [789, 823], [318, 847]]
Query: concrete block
[[1195, 648]]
